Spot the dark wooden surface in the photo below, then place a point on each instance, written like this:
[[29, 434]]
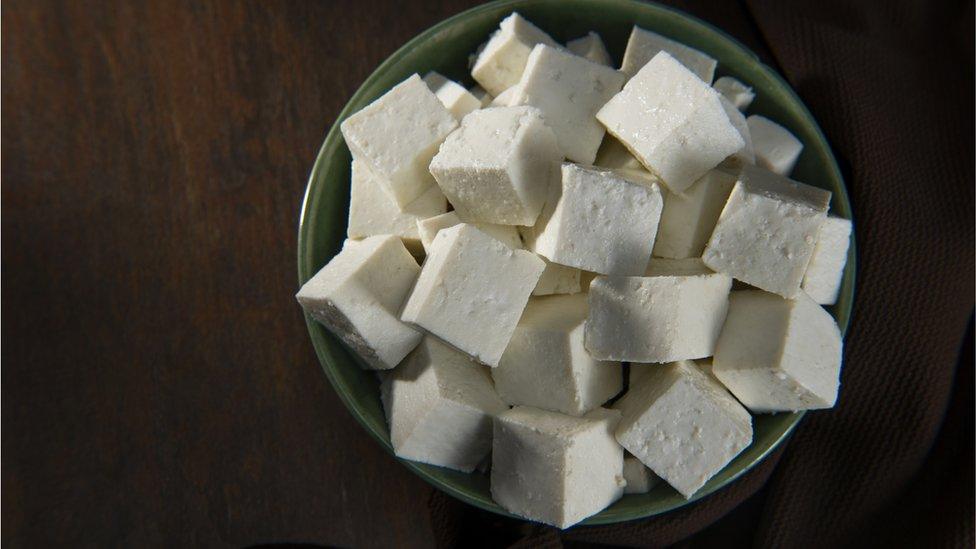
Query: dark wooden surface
[[159, 385]]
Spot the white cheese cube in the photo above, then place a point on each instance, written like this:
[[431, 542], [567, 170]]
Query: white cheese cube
[[591, 47], [557, 279], [643, 45], [357, 295], [568, 89], [505, 99], [639, 478], [745, 155], [546, 365], [672, 122], [614, 155], [481, 94], [555, 468], [439, 405], [767, 231], [689, 217], [501, 62], [451, 94], [373, 212], [826, 268], [775, 147], [428, 228], [778, 354], [471, 291], [599, 222], [673, 313], [735, 91], [397, 135], [682, 424], [498, 166]]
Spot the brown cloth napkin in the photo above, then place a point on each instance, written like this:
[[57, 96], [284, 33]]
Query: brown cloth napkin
[[891, 84]]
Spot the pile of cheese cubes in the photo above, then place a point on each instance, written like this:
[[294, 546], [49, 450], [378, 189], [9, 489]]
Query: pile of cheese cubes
[[571, 217]]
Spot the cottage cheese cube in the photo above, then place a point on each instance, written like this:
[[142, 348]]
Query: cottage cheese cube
[[779, 354], [643, 45], [546, 365], [498, 166], [568, 89], [673, 313], [689, 217], [451, 94], [614, 155], [428, 229], [682, 424], [357, 295], [440, 406], [591, 47], [639, 478], [599, 222], [735, 91], [767, 231], [776, 148], [745, 155], [397, 135], [505, 99], [472, 290], [672, 122], [826, 268], [502, 60], [481, 95], [555, 468], [557, 279], [372, 212]]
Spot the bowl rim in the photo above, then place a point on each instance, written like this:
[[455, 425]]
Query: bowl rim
[[333, 140]]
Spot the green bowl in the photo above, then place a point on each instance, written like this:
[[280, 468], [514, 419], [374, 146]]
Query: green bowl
[[445, 48]]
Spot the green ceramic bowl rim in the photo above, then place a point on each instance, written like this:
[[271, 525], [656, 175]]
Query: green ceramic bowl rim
[[333, 140]]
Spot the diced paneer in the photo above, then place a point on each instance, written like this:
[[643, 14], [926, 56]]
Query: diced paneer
[[498, 166], [357, 296], [689, 217], [778, 354], [501, 62], [598, 221], [673, 313], [826, 268], [451, 94], [481, 94], [614, 155], [397, 135], [672, 122], [471, 291], [505, 99], [775, 147], [546, 365], [557, 279], [735, 91], [639, 478], [428, 229], [373, 212], [643, 45], [439, 405], [745, 155], [568, 89], [767, 231], [591, 47], [554, 468]]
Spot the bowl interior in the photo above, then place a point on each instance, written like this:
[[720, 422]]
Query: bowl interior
[[445, 48]]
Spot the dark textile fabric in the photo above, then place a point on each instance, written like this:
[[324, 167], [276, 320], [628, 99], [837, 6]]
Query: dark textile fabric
[[891, 84]]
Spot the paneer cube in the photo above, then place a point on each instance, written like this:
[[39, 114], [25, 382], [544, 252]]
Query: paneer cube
[[640, 479], [498, 166], [568, 89], [546, 365], [558, 279], [554, 468], [673, 313], [428, 229], [689, 217], [397, 135], [672, 122], [643, 45], [481, 95], [825, 271], [452, 95], [598, 221], [775, 147], [439, 405], [778, 355], [500, 63], [471, 291], [682, 424], [735, 91], [591, 47], [505, 99], [745, 155], [357, 296], [767, 231]]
